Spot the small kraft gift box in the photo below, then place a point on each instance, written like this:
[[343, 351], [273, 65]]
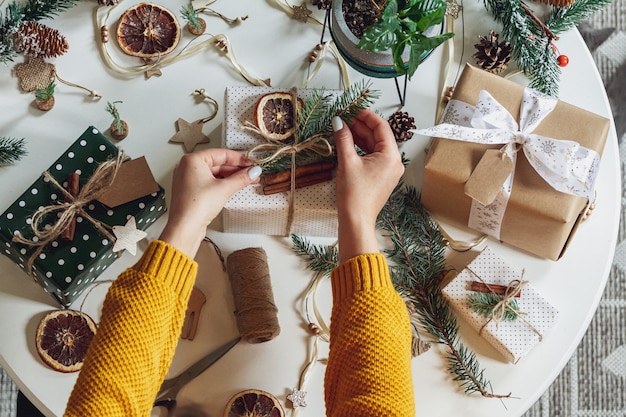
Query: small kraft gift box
[[311, 211], [65, 260], [513, 163], [497, 301]]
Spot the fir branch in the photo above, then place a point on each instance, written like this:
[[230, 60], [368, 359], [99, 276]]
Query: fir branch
[[315, 117], [319, 258], [417, 260], [11, 150], [356, 98], [484, 303], [531, 40]]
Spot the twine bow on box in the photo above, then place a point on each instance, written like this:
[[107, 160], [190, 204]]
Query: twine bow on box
[[498, 312], [69, 207], [273, 149], [565, 165]]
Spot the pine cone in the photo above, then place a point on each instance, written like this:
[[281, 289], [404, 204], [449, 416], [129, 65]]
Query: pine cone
[[322, 4], [400, 123], [491, 55], [40, 41]]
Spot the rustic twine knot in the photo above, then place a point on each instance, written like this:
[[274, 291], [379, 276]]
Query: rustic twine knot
[[69, 207], [250, 281], [513, 289]]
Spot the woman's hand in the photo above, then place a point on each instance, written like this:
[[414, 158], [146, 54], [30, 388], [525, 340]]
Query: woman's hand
[[203, 182], [364, 183]]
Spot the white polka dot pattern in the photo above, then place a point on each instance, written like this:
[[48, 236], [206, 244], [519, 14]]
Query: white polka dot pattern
[[249, 211], [513, 339], [65, 269]]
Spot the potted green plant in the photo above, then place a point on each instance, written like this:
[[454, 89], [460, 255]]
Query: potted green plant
[[387, 38]]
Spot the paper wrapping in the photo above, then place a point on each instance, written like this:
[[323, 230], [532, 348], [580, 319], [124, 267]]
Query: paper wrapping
[[538, 218], [65, 269], [513, 339], [249, 210]]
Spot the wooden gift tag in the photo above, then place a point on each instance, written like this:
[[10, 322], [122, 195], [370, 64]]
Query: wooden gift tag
[[133, 180], [487, 178]]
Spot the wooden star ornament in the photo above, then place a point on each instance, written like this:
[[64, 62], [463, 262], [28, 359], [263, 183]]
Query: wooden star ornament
[[301, 12], [189, 134], [127, 236]]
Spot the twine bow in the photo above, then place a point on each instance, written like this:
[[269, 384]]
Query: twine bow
[[513, 289], [69, 207], [317, 144]]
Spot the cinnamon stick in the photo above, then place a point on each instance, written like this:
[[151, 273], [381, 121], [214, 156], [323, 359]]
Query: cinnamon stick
[[304, 181], [493, 288], [301, 171], [72, 188]]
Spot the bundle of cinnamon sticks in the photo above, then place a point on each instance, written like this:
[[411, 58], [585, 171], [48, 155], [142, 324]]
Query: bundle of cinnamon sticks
[[278, 182]]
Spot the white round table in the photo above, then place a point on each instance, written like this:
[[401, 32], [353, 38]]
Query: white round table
[[272, 45]]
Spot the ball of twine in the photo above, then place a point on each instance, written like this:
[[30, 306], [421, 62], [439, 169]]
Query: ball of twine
[[250, 281]]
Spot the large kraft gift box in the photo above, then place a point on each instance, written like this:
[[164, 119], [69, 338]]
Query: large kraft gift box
[[538, 219], [249, 210], [64, 269]]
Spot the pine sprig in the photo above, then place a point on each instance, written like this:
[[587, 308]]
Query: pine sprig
[[484, 303], [32, 10], [319, 258], [314, 120], [531, 41], [11, 150]]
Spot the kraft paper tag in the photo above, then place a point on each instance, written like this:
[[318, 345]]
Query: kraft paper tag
[[487, 178], [133, 180]]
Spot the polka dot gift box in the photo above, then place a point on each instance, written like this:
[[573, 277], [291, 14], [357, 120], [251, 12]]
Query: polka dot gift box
[[249, 210], [64, 268], [513, 163], [499, 303]]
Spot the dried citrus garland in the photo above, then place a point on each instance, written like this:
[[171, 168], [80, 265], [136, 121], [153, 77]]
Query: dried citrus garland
[[157, 45]]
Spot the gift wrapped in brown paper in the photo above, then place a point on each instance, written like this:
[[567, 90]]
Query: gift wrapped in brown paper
[[524, 180]]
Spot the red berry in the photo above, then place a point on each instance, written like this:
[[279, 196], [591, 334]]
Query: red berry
[[563, 60]]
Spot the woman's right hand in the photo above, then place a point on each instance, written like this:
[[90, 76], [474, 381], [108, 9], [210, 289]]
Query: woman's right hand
[[364, 183]]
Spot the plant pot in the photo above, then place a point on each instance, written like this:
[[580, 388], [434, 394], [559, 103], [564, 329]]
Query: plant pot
[[373, 64]]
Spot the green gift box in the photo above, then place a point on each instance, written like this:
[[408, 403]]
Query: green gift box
[[64, 268]]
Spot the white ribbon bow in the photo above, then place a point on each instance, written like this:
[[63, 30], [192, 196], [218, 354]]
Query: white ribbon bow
[[566, 165]]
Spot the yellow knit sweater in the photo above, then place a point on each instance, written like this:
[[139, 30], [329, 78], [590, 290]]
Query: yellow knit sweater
[[368, 371]]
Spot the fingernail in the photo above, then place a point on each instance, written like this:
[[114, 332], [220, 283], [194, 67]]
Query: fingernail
[[337, 123], [254, 172]]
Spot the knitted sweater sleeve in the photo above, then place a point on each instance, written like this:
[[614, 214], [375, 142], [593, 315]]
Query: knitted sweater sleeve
[[142, 316], [369, 363]]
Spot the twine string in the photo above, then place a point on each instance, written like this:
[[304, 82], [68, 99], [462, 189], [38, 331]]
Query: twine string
[[513, 289], [255, 310], [69, 208]]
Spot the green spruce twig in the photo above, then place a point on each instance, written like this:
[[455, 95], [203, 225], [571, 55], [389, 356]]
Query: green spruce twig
[[11, 150], [483, 304], [191, 16], [531, 40], [314, 120], [111, 108], [18, 12]]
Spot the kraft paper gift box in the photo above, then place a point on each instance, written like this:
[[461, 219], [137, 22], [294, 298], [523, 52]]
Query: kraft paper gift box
[[249, 210], [537, 218], [64, 269], [514, 338]]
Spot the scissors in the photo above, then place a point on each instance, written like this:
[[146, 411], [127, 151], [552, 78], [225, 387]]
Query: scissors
[[166, 397]]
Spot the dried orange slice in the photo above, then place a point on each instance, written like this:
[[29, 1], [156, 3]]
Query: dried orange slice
[[63, 337], [253, 403], [148, 30], [273, 115]]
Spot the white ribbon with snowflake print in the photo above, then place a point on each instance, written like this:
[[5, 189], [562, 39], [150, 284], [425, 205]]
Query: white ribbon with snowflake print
[[564, 164]]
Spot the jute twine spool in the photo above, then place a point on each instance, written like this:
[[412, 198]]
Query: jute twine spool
[[251, 285]]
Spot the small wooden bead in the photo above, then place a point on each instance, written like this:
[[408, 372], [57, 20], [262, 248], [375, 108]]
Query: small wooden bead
[[319, 46], [104, 33], [314, 329]]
